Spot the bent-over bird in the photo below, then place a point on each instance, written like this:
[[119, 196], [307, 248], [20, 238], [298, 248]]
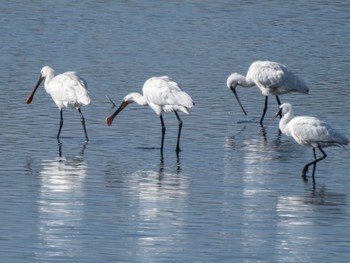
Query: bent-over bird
[[66, 89], [311, 132], [271, 78], [163, 95]]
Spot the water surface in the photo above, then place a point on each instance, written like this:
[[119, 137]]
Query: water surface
[[231, 194]]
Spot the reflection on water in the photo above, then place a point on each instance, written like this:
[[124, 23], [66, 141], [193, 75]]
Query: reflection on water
[[284, 227], [251, 189], [60, 204], [230, 140], [233, 199], [162, 199], [302, 220]]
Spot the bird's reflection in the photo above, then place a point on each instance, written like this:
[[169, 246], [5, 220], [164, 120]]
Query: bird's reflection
[[301, 219], [293, 221], [231, 140], [162, 166], [249, 170], [161, 197], [60, 203], [321, 196]]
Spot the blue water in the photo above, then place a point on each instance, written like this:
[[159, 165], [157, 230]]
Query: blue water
[[231, 195]]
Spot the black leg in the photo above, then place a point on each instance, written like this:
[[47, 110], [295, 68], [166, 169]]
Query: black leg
[[83, 123], [278, 101], [61, 124], [314, 167], [279, 104], [179, 133], [314, 162], [60, 150], [163, 133], [264, 111]]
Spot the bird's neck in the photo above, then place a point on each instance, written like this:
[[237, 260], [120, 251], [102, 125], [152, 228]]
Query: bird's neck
[[48, 79], [245, 82], [283, 124], [138, 98]]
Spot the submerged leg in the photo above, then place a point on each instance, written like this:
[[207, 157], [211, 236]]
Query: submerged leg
[[264, 112], [179, 133], [163, 133], [61, 124], [83, 123], [314, 162]]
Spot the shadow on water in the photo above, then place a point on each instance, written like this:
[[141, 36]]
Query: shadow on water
[[60, 204]]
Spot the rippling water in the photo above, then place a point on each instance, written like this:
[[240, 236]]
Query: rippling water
[[231, 194]]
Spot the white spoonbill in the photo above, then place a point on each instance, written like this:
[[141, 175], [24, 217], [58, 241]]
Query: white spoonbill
[[66, 89], [163, 95], [311, 132], [271, 78]]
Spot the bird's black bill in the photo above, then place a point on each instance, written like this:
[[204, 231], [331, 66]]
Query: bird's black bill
[[111, 117], [278, 113], [239, 101], [31, 96]]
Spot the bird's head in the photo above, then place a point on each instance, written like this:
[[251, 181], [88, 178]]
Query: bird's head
[[284, 109], [232, 82], [46, 70], [130, 98]]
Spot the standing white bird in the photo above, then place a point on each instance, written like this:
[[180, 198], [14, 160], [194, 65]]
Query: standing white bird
[[66, 89], [311, 132], [271, 78], [163, 95]]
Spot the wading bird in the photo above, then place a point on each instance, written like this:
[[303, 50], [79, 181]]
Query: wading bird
[[311, 132], [271, 78], [163, 95], [66, 89]]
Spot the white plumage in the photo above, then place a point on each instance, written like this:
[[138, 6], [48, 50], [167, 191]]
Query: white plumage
[[309, 131], [271, 78], [66, 90], [163, 95]]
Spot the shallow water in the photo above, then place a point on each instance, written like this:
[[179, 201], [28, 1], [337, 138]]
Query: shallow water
[[231, 194]]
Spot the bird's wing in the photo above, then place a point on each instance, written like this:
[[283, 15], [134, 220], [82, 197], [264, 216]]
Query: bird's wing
[[70, 88], [314, 132], [268, 74], [168, 92], [275, 78]]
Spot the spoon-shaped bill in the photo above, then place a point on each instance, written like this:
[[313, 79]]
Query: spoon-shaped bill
[[31, 96], [110, 118], [239, 101]]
